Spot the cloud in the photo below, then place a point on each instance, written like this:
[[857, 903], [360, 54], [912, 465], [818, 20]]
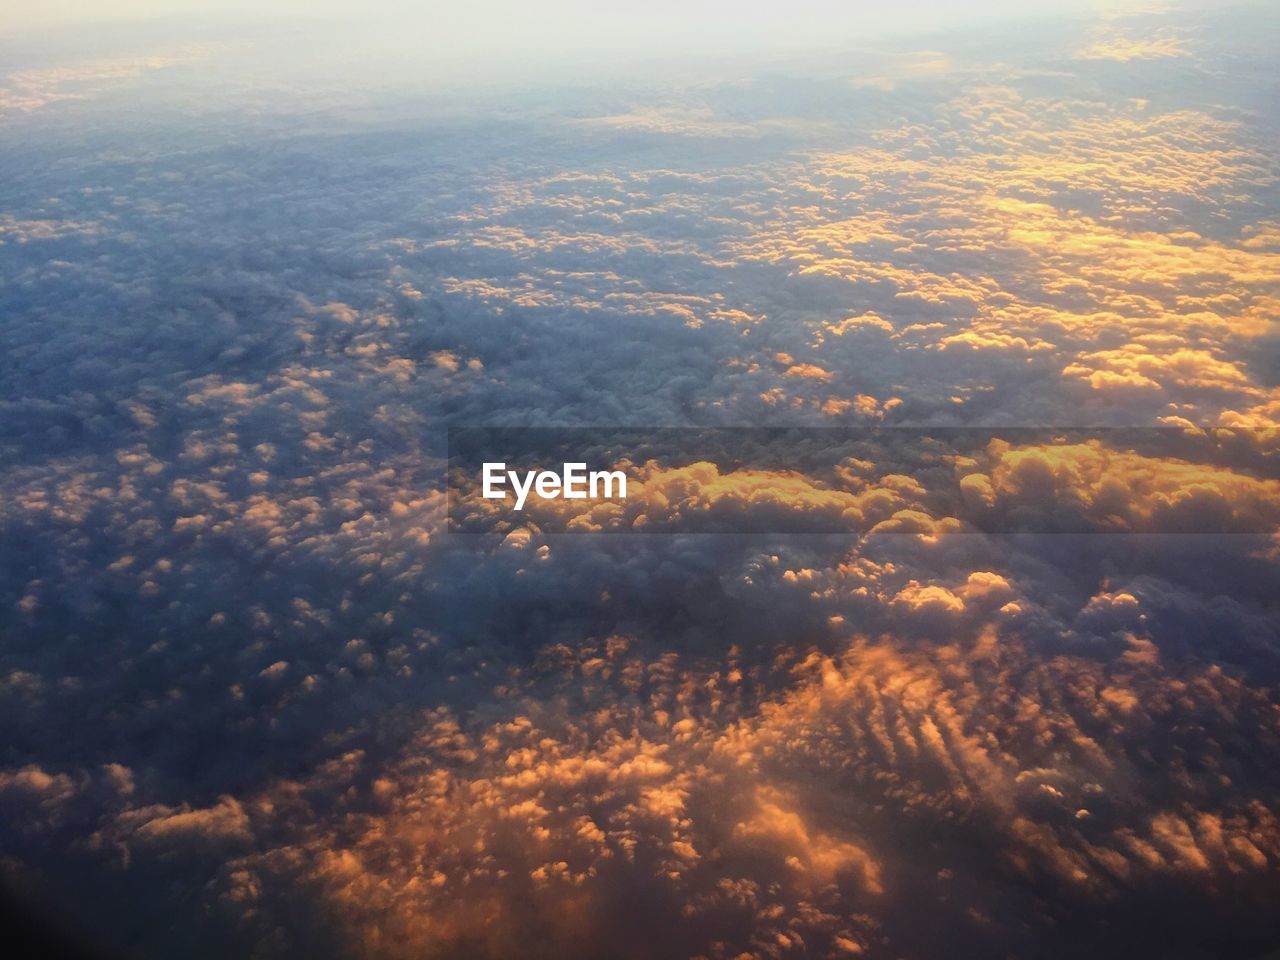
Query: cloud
[[27, 91], [1124, 49], [257, 697]]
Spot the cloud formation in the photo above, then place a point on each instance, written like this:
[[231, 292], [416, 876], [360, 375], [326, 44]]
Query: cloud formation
[[260, 701]]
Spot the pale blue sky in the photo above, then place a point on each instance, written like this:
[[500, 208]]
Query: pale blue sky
[[492, 25]]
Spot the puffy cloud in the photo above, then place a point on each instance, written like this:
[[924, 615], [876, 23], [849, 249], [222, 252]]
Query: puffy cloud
[[257, 698], [1123, 48], [1125, 490]]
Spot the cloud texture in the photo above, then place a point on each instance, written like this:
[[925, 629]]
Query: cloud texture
[[259, 701]]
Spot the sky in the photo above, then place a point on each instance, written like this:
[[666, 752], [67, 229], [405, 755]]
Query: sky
[[559, 22], [491, 34], [259, 699]]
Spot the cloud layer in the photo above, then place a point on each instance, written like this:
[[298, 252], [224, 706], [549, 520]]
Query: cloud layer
[[259, 701]]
